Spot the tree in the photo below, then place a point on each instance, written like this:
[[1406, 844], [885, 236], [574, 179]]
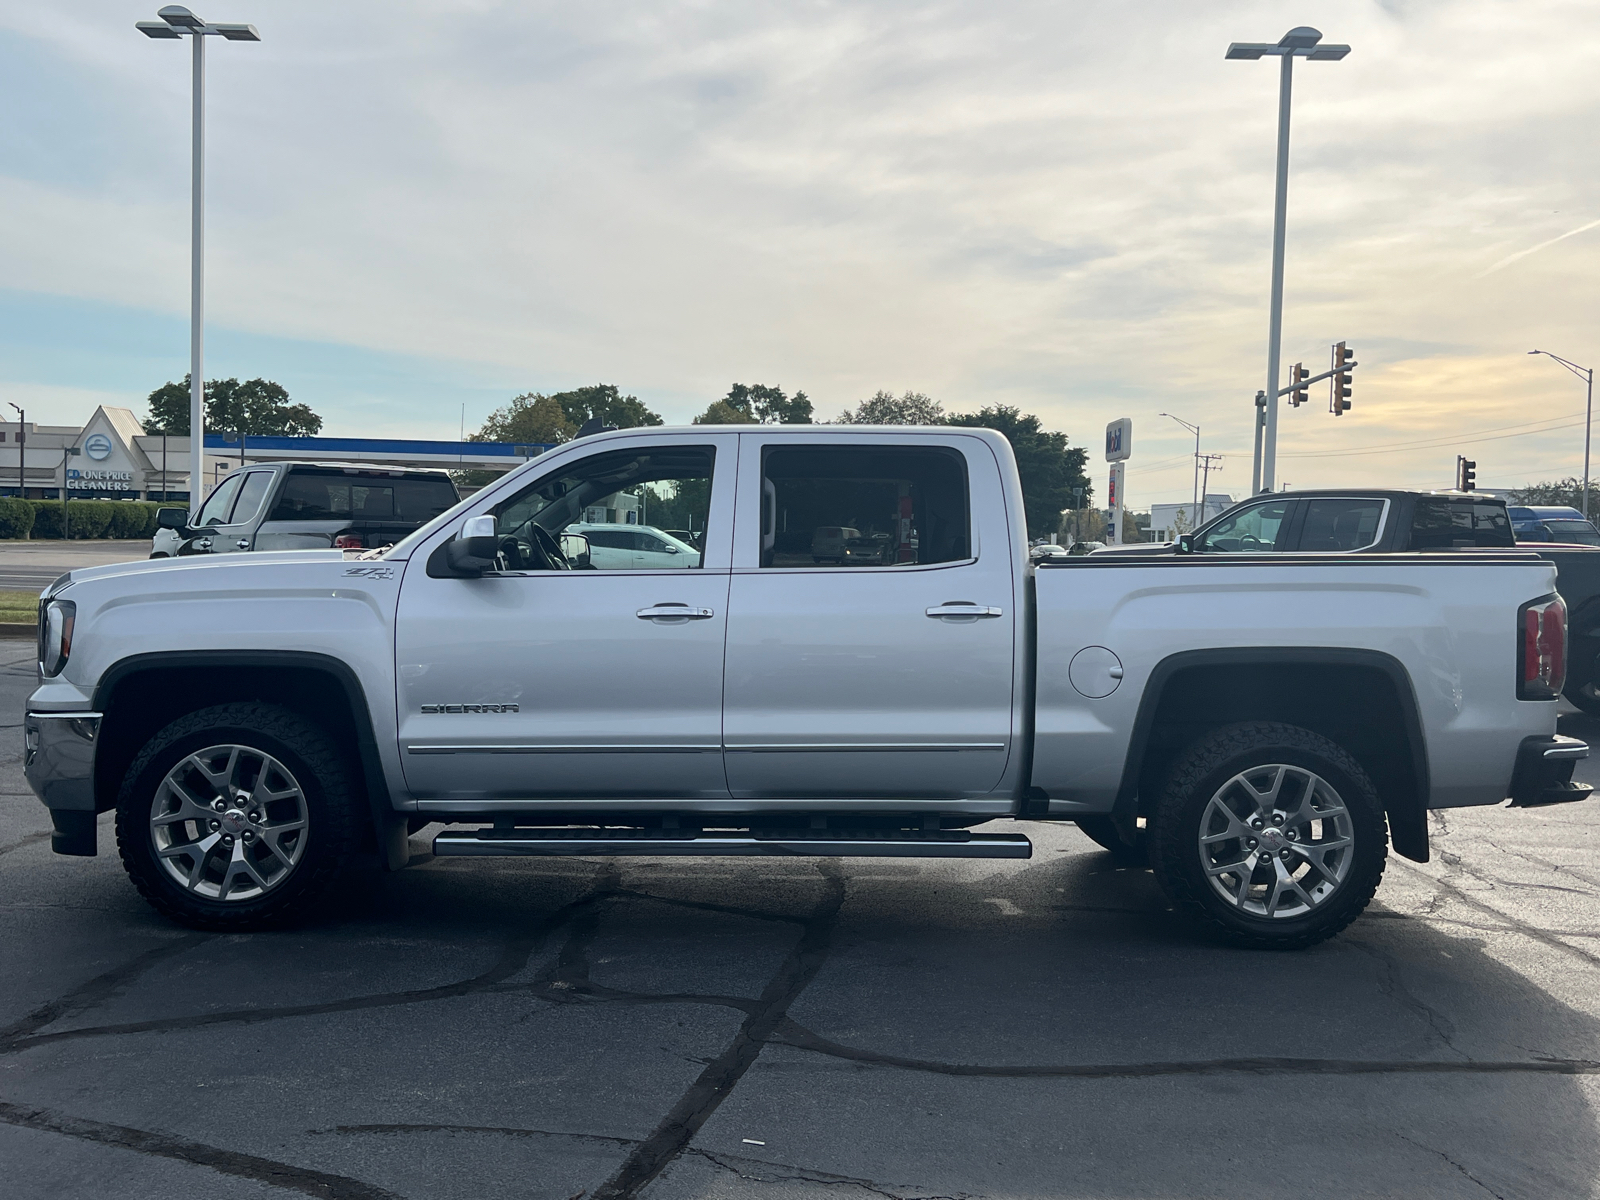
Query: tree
[[722, 413], [606, 401], [769, 405], [256, 407], [529, 418], [1558, 491], [913, 408], [1049, 468]]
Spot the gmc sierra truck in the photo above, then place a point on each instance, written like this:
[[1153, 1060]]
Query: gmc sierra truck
[[1263, 727]]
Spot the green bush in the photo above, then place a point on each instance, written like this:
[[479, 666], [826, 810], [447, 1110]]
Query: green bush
[[91, 518], [16, 518]]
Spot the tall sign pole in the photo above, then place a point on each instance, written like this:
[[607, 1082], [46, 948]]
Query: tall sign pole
[[1119, 446]]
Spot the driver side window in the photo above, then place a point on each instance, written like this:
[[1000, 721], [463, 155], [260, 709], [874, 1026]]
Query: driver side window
[[638, 509], [1261, 528]]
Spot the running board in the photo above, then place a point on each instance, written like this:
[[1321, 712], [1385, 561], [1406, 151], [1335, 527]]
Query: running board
[[950, 843]]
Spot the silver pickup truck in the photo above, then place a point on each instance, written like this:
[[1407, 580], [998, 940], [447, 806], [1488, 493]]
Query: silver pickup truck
[[1261, 730]]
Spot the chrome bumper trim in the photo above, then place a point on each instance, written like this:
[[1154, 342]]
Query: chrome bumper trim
[[58, 757]]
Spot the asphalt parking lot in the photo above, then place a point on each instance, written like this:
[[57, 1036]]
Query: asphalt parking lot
[[724, 1028]]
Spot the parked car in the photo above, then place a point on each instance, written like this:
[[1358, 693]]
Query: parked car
[[1081, 548], [1551, 523], [1354, 521], [1268, 724], [1046, 550], [306, 506], [829, 541], [634, 547], [691, 538]]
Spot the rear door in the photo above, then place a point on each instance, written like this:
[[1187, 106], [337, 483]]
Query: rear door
[[1342, 523], [889, 679]]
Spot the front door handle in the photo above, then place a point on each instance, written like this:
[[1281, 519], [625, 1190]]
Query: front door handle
[[674, 613], [955, 610]]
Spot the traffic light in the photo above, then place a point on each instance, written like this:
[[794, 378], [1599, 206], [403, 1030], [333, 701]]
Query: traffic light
[[1297, 385], [1339, 386], [1466, 474]]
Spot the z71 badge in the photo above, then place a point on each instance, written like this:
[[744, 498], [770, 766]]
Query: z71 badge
[[370, 572], [470, 708]]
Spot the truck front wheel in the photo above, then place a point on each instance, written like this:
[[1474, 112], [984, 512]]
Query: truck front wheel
[[1273, 832], [236, 817]]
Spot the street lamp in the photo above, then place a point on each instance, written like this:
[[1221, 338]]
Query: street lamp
[[1194, 429], [22, 455], [1587, 375], [177, 22], [1301, 42]]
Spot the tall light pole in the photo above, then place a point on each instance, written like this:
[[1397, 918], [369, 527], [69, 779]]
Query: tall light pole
[[22, 455], [1194, 429], [1587, 375], [176, 23], [1301, 42]]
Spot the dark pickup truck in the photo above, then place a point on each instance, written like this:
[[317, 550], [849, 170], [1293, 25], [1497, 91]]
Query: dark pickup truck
[[1379, 521]]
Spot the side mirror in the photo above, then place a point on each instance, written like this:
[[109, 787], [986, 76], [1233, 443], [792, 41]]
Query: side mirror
[[575, 549], [672, 549], [475, 551], [175, 519], [1185, 543]]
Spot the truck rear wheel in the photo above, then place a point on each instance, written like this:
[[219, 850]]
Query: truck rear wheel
[[1273, 832], [235, 818]]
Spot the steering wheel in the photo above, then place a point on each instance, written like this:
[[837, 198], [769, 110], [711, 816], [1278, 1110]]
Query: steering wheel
[[546, 547], [1249, 542]]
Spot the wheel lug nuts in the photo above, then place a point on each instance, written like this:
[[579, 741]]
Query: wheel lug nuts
[[1292, 835], [227, 839], [1251, 842], [1283, 855], [1256, 824], [1277, 818], [216, 825], [218, 805], [1265, 857], [250, 837]]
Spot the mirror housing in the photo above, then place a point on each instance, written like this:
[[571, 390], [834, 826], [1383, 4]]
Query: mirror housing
[[175, 519], [475, 551], [1185, 544], [575, 549]]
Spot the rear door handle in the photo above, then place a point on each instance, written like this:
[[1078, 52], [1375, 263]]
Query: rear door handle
[[957, 610], [674, 612], [243, 543]]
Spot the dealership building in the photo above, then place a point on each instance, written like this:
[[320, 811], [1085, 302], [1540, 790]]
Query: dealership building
[[112, 457]]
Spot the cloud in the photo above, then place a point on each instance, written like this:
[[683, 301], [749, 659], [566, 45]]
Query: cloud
[[1521, 254], [1066, 208]]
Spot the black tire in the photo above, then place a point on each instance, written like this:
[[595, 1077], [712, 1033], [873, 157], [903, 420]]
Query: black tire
[[1102, 830], [1185, 810], [1582, 696], [324, 796]]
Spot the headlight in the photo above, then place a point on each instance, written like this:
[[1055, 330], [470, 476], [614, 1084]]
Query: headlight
[[56, 618]]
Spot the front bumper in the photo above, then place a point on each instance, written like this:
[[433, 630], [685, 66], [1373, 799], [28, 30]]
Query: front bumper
[[1543, 774], [58, 760]]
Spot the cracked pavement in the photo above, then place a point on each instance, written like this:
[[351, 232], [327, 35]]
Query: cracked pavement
[[669, 1029]]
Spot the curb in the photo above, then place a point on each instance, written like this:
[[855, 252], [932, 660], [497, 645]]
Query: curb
[[16, 630]]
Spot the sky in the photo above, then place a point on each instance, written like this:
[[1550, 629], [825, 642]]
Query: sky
[[415, 212]]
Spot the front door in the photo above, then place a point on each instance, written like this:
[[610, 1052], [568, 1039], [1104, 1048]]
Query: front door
[[542, 682], [885, 669]]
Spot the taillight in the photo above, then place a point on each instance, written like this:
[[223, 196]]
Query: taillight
[[349, 541], [1541, 649]]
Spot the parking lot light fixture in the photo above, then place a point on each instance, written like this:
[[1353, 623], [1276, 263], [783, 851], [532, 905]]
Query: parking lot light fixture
[[1587, 375], [178, 22], [1199, 499], [1300, 42]]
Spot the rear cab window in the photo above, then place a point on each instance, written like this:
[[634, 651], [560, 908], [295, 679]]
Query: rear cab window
[[1460, 522]]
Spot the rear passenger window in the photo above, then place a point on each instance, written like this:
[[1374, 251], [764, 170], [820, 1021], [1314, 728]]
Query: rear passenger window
[[863, 506], [1340, 523], [1445, 522], [254, 491]]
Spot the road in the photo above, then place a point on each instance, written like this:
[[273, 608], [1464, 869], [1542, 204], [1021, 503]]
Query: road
[[733, 1028], [33, 566]]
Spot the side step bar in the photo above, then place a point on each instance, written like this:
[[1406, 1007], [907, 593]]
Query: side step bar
[[891, 843]]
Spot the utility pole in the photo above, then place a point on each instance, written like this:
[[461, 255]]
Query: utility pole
[[1205, 479], [1302, 42], [66, 453], [1587, 375]]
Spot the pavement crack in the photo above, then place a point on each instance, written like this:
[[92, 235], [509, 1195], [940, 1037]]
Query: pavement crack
[[1392, 985], [747, 1169], [97, 990], [26, 840], [791, 1033], [513, 958], [685, 1119], [1532, 931], [1453, 1163], [228, 1162]]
